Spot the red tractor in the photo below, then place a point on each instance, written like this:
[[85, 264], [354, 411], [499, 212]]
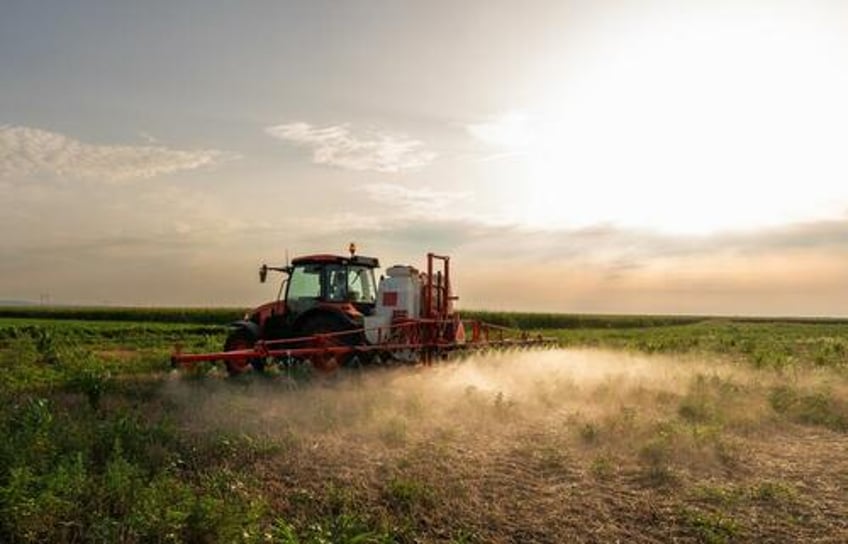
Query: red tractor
[[331, 312]]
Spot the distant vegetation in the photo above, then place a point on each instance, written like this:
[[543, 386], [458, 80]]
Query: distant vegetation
[[531, 320], [775, 345], [524, 320], [207, 316]]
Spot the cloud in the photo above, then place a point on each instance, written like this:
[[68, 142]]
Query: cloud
[[611, 252], [420, 201], [26, 151], [369, 150], [508, 131]]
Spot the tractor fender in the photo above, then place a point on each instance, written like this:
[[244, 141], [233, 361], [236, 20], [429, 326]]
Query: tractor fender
[[249, 326], [343, 320]]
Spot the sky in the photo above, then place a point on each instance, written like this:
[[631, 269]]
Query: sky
[[606, 156]]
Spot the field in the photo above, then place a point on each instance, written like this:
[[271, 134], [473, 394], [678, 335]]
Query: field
[[637, 429]]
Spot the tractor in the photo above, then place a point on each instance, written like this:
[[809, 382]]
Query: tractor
[[331, 312]]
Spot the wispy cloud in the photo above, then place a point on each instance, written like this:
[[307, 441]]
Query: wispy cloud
[[509, 131], [413, 201], [339, 146], [26, 151]]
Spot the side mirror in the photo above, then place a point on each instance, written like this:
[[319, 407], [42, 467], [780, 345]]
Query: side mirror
[[263, 273]]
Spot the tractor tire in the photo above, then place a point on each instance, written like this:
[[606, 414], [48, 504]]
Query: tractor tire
[[237, 340], [326, 323]]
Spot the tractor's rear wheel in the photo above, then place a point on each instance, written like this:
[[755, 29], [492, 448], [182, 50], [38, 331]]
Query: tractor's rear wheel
[[325, 323], [237, 340]]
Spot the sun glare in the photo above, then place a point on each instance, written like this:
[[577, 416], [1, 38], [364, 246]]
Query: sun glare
[[689, 125]]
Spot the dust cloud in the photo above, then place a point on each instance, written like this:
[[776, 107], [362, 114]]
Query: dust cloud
[[485, 396]]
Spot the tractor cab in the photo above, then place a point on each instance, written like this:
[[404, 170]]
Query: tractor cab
[[346, 283], [318, 293]]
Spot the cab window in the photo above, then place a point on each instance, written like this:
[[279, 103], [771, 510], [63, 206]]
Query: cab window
[[336, 283], [305, 282], [360, 284]]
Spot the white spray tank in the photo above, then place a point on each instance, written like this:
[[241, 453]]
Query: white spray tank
[[398, 297]]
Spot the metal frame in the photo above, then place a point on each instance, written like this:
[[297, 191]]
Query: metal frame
[[425, 337]]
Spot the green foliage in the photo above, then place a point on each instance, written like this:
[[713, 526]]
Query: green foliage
[[17, 359], [719, 495], [773, 492], [68, 475], [54, 335], [777, 345], [711, 528], [527, 320], [818, 407], [336, 517], [85, 356], [45, 345], [407, 495], [207, 316], [768, 492], [340, 529], [602, 467], [90, 377], [464, 537]]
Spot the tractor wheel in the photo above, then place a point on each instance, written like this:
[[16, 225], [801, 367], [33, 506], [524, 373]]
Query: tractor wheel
[[237, 340], [323, 323]]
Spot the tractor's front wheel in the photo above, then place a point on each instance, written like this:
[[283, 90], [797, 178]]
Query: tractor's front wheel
[[237, 340]]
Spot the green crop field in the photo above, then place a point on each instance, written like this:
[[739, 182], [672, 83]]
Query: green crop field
[[637, 429]]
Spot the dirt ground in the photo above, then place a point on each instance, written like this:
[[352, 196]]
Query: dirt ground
[[554, 446]]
